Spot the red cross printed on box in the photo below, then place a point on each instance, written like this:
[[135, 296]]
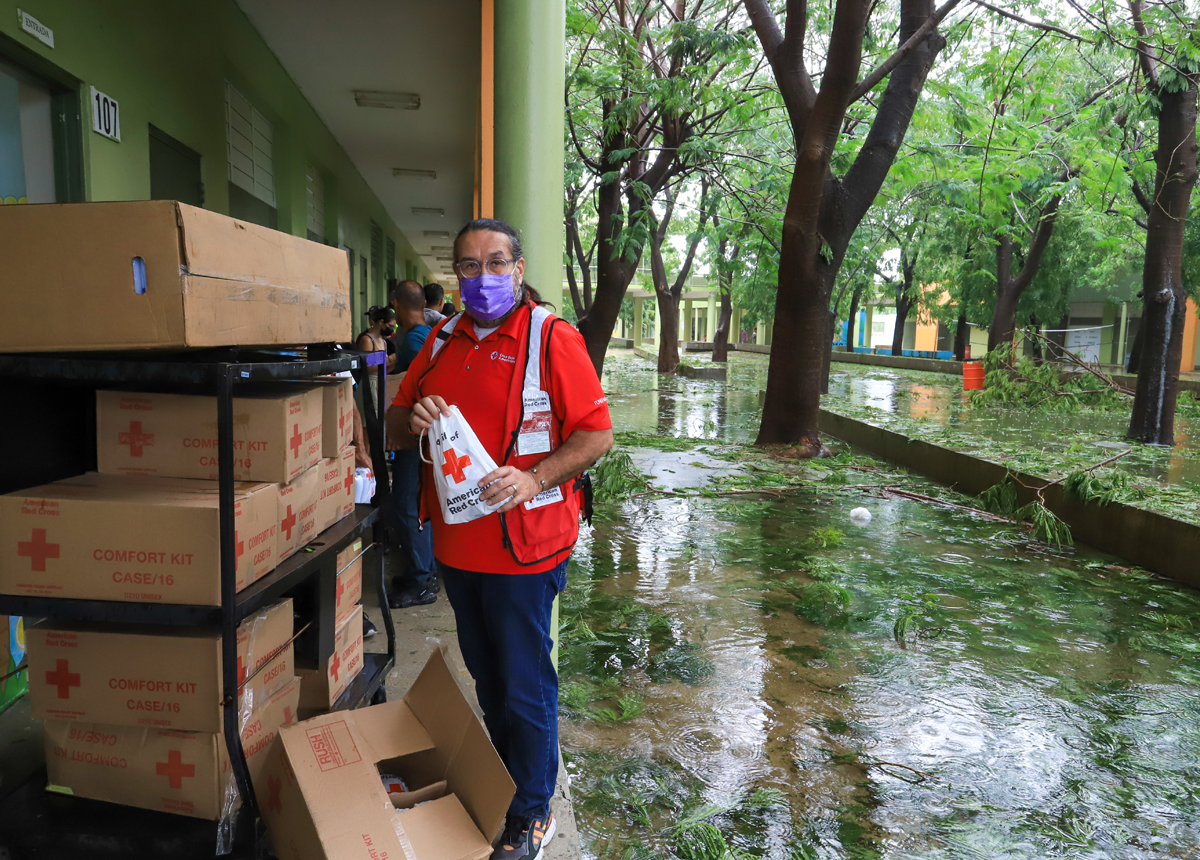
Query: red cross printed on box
[[274, 784], [37, 550], [174, 769], [62, 679], [242, 671], [348, 484], [341, 589], [239, 548], [295, 441], [287, 522], [453, 467], [135, 439], [287, 715], [341, 421], [335, 667]]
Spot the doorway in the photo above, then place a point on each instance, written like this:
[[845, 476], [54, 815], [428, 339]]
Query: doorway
[[174, 170]]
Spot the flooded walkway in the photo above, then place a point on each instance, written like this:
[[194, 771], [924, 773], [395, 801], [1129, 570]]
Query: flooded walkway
[[757, 674]]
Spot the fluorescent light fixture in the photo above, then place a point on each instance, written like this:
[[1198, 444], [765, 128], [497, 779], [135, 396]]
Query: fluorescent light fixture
[[381, 99], [445, 259], [437, 234], [412, 173], [428, 210], [441, 249]]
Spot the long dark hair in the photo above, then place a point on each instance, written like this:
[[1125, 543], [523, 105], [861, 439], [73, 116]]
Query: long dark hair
[[495, 225]]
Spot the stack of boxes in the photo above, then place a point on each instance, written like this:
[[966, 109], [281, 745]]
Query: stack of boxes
[[133, 715]]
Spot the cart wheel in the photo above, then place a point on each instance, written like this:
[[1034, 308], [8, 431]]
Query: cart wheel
[[379, 697]]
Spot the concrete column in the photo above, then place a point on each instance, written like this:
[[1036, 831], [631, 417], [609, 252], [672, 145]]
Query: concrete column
[[735, 326], [685, 331], [760, 333], [770, 330], [867, 326], [710, 330], [637, 322], [530, 38]]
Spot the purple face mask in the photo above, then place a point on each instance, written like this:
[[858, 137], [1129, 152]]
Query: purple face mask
[[488, 297]]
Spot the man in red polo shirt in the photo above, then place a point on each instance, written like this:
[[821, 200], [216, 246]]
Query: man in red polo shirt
[[523, 381]]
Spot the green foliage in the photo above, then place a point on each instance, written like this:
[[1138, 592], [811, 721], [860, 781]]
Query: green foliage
[[1000, 498], [826, 537], [1028, 385], [915, 608], [615, 477], [1043, 524], [1101, 489]]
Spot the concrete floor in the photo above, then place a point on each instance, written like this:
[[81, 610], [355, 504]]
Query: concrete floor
[[419, 630]]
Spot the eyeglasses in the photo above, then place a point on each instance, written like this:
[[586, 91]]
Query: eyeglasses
[[496, 266]]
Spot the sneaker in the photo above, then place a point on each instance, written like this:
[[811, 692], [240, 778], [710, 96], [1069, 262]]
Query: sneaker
[[524, 838], [369, 628], [412, 596]]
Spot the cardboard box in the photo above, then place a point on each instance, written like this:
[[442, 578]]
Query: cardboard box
[[298, 512], [337, 414], [325, 799], [159, 677], [337, 489], [164, 274], [276, 436], [171, 771], [349, 579], [132, 538], [321, 687]]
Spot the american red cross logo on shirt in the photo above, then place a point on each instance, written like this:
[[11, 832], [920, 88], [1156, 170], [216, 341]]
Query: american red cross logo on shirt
[[288, 522], [453, 467], [294, 442], [37, 550], [274, 784], [62, 679], [135, 439], [174, 769]]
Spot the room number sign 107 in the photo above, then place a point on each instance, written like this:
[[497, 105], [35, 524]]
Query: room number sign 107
[[106, 115]]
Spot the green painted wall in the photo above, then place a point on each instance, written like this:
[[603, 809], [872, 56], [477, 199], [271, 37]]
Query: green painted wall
[[166, 64]]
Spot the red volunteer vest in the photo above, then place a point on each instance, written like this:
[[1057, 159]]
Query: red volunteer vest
[[544, 529]]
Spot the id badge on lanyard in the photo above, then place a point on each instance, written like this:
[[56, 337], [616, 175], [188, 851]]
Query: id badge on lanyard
[[534, 437]]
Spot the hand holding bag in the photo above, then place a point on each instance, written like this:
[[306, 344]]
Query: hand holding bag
[[459, 463]]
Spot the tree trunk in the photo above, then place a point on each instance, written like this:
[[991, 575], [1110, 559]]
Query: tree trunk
[[1036, 344], [854, 298], [1135, 353], [903, 306], [1058, 339], [962, 335], [1163, 295], [724, 318], [667, 332], [613, 275]]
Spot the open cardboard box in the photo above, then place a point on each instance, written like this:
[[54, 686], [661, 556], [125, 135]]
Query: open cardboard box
[[325, 799]]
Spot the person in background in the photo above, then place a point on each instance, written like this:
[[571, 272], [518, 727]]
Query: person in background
[[374, 339], [417, 585], [433, 301], [526, 386], [448, 309]]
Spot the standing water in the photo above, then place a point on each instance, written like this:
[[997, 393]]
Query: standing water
[[759, 674]]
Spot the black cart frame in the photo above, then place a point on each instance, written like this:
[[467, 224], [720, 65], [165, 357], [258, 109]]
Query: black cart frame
[[309, 576]]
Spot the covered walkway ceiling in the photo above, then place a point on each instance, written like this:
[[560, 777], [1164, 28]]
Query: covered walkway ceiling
[[432, 49]]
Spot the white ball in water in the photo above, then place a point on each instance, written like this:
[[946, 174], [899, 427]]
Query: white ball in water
[[860, 516]]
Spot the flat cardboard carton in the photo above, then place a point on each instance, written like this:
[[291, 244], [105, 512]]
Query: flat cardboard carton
[[172, 771], [337, 414], [325, 799], [337, 489], [298, 512], [321, 687], [276, 436], [163, 274], [349, 579], [166, 678], [132, 538]]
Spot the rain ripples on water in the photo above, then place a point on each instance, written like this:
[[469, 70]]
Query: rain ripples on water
[[736, 665]]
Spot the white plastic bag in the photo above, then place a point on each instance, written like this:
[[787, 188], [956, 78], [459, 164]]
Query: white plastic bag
[[459, 464], [364, 486]]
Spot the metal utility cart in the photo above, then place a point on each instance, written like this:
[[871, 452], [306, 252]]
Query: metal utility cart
[[50, 434]]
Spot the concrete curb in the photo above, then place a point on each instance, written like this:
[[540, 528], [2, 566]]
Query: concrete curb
[[1156, 542]]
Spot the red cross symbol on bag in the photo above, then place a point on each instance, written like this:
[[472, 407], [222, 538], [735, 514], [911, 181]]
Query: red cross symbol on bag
[[454, 465]]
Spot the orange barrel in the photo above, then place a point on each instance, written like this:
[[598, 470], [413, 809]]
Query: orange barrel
[[973, 375]]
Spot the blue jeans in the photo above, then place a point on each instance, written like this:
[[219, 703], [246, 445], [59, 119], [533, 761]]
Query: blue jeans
[[406, 519], [504, 633]]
